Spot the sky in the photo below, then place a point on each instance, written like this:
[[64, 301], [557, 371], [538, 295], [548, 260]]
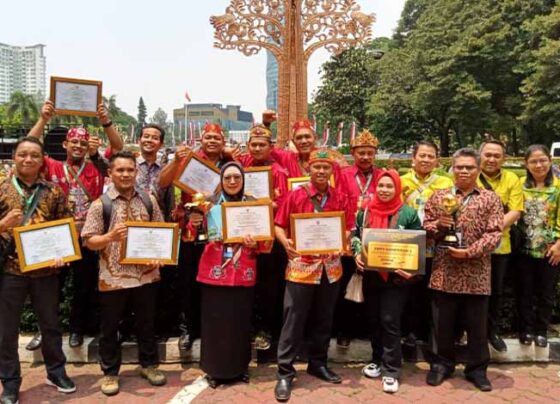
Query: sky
[[155, 49]]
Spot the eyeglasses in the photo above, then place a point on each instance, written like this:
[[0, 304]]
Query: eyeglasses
[[464, 168]]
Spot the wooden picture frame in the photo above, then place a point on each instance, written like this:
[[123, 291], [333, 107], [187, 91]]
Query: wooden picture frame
[[65, 86], [44, 237], [172, 229], [320, 228], [200, 168], [266, 170], [247, 218]]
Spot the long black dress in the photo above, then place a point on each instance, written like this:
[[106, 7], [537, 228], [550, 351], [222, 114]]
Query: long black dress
[[225, 350]]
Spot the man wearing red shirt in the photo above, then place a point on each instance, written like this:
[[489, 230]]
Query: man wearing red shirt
[[82, 182], [190, 251], [270, 282], [312, 280], [358, 181]]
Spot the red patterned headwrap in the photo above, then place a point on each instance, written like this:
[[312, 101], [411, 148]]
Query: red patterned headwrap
[[302, 124], [214, 128], [77, 133]]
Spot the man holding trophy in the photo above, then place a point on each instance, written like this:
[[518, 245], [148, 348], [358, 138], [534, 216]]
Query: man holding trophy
[[466, 223]]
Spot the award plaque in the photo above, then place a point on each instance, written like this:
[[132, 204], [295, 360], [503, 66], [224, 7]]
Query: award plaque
[[318, 233], [38, 245], [240, 219], [258, 182], [198, 176], [76, 96], [296, 182], [150, 241], [389, 250]]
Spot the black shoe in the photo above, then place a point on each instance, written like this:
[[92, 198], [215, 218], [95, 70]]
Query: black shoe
[[541, 341], [62, 383], [212, 383], [75, 340], [410, 340], [245, 377], [481, 382], [497, 343], [186, 342], [9, 396], [324, 373], [343, 342], [526, 338], [436, 378], [35, 342], [283, 390]]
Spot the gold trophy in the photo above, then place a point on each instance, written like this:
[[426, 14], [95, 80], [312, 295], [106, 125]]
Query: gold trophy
[[201, 205], [450, 205]]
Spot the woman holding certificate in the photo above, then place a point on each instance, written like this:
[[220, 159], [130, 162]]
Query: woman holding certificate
[[385, 294], [227, 273]]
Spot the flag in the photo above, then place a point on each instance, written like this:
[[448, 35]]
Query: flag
[[132, 132], [173, 134], [326, 133], [199, 133], [339, 134], [187, 96], [352, 131], [191, 134], [314, 123]]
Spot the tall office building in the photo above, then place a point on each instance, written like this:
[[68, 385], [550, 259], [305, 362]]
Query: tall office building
[[22, 68], [271, 82]]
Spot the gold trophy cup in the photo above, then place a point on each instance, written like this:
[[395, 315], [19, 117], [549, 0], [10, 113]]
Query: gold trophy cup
[[201, 205], [450, 205]]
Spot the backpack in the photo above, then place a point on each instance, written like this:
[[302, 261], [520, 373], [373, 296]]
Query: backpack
[[108, 208]]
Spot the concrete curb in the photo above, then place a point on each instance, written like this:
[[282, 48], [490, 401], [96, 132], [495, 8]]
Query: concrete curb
[[359, 351]]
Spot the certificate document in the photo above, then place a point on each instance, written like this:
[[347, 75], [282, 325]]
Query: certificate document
[[199, 176], [258, 182], [242, 219], [40, 244], [150, 241], [75, 96], [318, 233], [392, 249]]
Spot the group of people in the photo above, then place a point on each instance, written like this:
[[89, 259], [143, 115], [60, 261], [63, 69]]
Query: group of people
[[296, 297]]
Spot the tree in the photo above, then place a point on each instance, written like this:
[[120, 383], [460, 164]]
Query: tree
[[22, 105], [412, 11], [159, 118], [142, 112]]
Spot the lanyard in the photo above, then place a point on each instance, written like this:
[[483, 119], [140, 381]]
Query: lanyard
[[465, 201], [364, 190], [27, 200], [68, 169], [303, 169]]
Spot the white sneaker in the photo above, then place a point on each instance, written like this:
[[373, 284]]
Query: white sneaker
[[372, 371], [390, 384]]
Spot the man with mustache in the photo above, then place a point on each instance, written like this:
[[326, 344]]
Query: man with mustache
[[82, 183]]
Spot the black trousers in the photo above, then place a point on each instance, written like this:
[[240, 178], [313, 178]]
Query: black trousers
[[189, 258], [44, 298], [114, 306], [472, 309], [535, 294], [269, 290], [168, 302], [384, 308], [417, 316], [84, 313], [499, 268], [306, 308], [348, 315]]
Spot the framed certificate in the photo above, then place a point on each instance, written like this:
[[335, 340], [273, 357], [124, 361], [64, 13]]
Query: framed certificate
[[318, 233], [198, 176], [296, 182], [38, 245], [76, 96], [392, 249], [150, 241], [258, 182], [252, 218]]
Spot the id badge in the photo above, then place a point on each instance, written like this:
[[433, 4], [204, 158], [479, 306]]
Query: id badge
[[228, 253]]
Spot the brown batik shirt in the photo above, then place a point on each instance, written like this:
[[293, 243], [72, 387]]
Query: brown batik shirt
[[51, 206], [112, 275], [480, 219]]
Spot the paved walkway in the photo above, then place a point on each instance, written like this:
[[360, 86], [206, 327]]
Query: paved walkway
[[512, 383]]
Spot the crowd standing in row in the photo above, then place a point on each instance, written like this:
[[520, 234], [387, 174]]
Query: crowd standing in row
[[263, 291]]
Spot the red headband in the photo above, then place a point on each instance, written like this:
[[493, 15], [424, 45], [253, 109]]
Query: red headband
[[302, 124], [213, 127], [77, 133]]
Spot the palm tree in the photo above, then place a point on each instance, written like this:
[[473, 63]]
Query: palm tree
[[23, 105]]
